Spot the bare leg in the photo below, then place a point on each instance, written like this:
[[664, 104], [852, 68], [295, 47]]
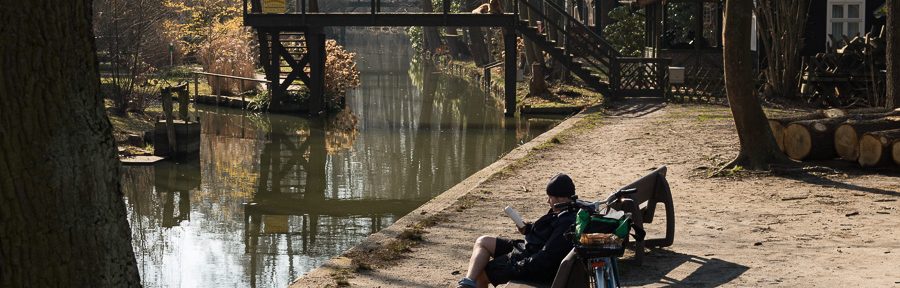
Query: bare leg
[[481, 254]]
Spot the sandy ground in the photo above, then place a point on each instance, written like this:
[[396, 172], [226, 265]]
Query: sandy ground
[[818, 227]]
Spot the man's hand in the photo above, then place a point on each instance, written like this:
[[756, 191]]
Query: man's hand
[[527, 228]]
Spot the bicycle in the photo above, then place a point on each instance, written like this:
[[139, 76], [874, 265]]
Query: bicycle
[[611, 233]]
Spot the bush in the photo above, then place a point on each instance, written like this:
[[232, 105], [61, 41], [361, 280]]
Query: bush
[[341, 73], [228, 50]]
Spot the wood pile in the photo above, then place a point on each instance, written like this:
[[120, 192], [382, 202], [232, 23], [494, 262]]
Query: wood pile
[[847, 74], [870, 137]]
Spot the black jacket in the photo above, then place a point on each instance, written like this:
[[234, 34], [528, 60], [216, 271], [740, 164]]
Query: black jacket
[[546, 245]]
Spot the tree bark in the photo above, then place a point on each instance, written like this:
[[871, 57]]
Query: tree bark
[[758, 147], [893, 55], [62, 218]]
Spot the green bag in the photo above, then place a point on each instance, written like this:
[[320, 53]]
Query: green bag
[[587, 223]]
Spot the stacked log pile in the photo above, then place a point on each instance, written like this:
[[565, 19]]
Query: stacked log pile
[[847, 74], [870, 137]]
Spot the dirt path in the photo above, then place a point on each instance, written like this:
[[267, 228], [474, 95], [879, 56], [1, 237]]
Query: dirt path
[[790, 229]]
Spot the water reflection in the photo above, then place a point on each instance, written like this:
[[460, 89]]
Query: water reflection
[[274, 196]]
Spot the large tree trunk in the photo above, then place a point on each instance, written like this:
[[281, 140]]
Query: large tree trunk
[[62, 218], [893, 54], [758, 147]]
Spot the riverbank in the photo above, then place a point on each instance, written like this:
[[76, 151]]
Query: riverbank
[[563, 98], [808, 227]]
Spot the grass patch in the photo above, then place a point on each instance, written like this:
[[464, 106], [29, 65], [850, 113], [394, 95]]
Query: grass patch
[[707, 117], [560, 96], [467, 201], [549, 144]]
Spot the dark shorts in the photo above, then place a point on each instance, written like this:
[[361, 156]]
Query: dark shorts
[[502, 268]]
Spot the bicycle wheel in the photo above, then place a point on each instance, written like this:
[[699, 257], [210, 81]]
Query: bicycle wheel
[[603, 275]]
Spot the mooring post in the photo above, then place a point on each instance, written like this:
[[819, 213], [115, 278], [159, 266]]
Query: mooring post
[[316, 70], [509, 70]]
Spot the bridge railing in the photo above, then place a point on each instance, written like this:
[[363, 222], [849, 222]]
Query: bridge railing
[[302, 7]]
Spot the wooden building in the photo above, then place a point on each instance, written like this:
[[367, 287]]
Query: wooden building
[[689, 32]]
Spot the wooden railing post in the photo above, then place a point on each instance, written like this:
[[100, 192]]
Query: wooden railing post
[[196, 86]]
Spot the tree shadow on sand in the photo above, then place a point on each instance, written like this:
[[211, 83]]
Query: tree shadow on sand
[[819, 175], [707, 272], [635, 107]]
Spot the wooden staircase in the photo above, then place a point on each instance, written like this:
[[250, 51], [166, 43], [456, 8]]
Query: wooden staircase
[[590, 57]]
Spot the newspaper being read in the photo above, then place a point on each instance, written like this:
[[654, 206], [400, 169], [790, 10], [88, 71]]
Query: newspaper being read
[[514, 216]]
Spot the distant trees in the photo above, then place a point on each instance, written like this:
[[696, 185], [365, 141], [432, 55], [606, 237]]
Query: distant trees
[[228, 49], [62, 217], [626, 33], [758, 147], [130, 46]]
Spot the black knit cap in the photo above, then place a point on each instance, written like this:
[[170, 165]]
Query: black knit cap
[[561, 186]]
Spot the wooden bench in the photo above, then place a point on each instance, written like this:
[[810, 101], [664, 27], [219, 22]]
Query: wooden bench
[[652, 190]]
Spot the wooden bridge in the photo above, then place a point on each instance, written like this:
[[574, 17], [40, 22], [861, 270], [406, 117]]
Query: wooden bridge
[[292, 42]]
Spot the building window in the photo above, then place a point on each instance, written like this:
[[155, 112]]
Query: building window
[[845, 18]]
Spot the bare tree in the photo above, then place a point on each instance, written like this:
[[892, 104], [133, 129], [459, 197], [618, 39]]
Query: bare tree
[[62, 218], [130, 40], [893, 54], [781, 28], [758, 147]]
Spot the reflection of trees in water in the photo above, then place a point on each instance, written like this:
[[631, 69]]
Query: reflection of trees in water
[[157, 198], [341, 132]]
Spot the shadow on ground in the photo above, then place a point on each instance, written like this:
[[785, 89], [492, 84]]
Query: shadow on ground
[[826, 176], [659, 264], [635, 107]]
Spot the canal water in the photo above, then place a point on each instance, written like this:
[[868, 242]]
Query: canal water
[[273, 196]]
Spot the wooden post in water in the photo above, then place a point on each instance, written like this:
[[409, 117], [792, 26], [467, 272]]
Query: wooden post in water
[[509, 70], [170, 124]]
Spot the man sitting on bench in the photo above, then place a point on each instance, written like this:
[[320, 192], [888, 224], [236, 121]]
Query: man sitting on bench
[[537, 257]]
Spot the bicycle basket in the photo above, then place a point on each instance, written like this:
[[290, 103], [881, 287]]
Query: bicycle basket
[[604, 230]]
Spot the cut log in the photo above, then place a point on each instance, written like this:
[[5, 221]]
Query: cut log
[[896, 152], [779, 124], [847, 135], [814, 139], [875, 148]]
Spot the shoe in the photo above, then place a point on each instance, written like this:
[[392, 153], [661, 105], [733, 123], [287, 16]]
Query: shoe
[[465, 283]]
